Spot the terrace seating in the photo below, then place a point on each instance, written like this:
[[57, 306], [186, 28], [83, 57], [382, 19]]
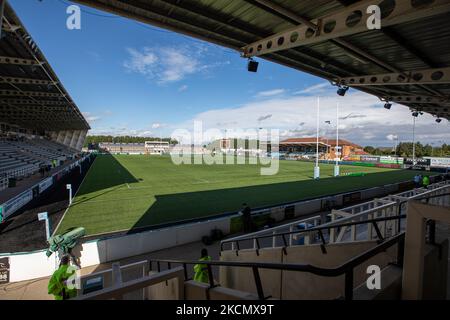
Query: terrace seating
[[3, 183], [22, 158]]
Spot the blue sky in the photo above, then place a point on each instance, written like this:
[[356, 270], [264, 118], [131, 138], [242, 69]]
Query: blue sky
[[130, 78]]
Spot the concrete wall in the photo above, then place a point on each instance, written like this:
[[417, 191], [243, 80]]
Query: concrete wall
[[436, 271], [26, 266], [301, 285], [71, 138], [193, 290], [198, 291], [242, 278]]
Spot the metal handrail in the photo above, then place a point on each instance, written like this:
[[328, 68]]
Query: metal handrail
[[347, 268], [336, 224], [320, 228]]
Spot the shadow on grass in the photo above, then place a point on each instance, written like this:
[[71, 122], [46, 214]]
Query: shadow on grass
[[106, 172], [194, 205]]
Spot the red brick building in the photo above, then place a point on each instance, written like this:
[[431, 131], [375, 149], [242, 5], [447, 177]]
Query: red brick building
[[327, 147]]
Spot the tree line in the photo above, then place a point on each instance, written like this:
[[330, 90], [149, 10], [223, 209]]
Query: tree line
[[405, 149], [124, 139]]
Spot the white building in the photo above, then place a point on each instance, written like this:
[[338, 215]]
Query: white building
[[157, 147]]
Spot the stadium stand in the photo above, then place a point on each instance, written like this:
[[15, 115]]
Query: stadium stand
[[20, 158], [40, 125]]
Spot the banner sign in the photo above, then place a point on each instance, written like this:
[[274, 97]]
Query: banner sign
[[388, 165], [16, 203], [44, 185], [370, 159], [391, 160], [4, 270], [419, 162], [439, 162]]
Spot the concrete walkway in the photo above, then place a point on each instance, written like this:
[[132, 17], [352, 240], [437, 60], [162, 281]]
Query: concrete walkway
[[37, 289]]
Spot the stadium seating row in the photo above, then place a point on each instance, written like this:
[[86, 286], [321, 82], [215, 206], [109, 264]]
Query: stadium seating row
[[3, 183], [20, 158]]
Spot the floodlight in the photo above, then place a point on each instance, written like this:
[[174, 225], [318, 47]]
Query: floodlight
[[252, 65], [342, 90]]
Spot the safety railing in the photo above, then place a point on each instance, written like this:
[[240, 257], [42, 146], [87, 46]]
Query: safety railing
[[21, 172], [346, 269], [120, 289], [103, 279], [390, 206]]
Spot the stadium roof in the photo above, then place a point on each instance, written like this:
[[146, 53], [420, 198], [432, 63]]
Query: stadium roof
[[406, 61], [31, 95]]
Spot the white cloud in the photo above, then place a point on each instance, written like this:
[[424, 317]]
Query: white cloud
[[182, 88], [262, 118], [391, 137], [169, 64], [270, 93], [121, 131], [89, 117], [363, 119], [315, 89], [141, 62]]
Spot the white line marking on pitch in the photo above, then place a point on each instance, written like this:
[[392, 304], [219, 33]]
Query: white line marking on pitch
[[201, 181]]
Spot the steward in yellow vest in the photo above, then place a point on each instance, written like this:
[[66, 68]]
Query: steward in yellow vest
[[201, 270]]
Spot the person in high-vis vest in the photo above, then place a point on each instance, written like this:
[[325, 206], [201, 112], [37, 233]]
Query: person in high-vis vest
[[201, 270], [57, 285], [426, 182]]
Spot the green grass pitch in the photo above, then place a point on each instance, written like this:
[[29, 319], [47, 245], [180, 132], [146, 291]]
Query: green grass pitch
[[129, 191]]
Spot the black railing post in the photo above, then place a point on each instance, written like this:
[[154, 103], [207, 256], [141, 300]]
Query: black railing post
[[258, 283], [400, 252], [257, 246], [285, 244], [377, 230], [185, 271], [432, 231], [349, 284], [210, 276], [322, 245], [158, 266]]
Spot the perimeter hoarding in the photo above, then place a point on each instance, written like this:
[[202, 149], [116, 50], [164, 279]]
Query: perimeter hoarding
[[439, 162]]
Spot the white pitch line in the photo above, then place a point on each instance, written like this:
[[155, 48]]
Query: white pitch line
[[201, 181]]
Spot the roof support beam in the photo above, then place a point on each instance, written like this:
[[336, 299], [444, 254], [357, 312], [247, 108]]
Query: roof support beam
[[29, 93], [408, 46], [417, 99], [345, 22], [13, 80], [254, 32], [286, 13], [424, 76], [33, 102], [349, 48], [2, 12], [18, 61]]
